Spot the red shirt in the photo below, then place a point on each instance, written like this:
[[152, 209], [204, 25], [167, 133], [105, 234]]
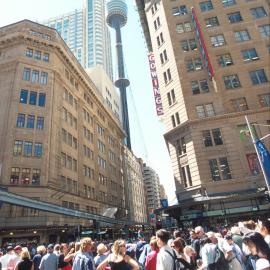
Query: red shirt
[[151, 260]]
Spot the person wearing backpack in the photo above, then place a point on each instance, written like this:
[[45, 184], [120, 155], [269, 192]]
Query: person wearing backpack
[[166, 255], [83, 259], [208, 254]]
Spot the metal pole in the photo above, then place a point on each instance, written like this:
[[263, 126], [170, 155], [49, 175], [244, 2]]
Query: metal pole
[[254, 143]]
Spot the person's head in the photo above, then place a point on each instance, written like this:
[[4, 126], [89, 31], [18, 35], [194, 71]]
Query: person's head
[[41, 250], [25, 254], [192, 234], [250, 224], [205, 240], [119, 247], [9, 249], [50, 248], [153, 243], [257, 245], [86, 244], [212, 237], [199, 231], [263, 227], [64, 248], [235, 230], [18, 250], [101, 249], [178, 244], [162, 237], [189, 251], [176, 234], [57, 248], [228, 239]]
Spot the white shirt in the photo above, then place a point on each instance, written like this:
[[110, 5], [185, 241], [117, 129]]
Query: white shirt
[[165, 260], [267, 239], [13, 260], [208, 254], [4, 260]]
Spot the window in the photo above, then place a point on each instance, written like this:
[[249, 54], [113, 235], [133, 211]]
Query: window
[[241, 36], [17, 148], [41, 99], [25, 176], [210, 136], [179, 11], [171, 97], [36, 176], [211, 22], [177, 118], [239, 104], [205, 110], [206, 6], [33, 98], [217, 41], [264, 100], [15, 175], [27, 149], [157, 23], [224, 60], [186, 176], [37, 55], [26, 74], [258, 77], [40, 122], [181, 146], [46, 57], [235, 17], [35, 76], [160, 40], [163, 57], [228, 3], [250, 55], [199, 87], [29, 52], [44, 78], [38, 149], [231, 81], [30, 121], [20, 120], [265, 30], [24, 96], [188, 45], [167, 76], [194, 64], [258, 12], [183, 27], [219, 169]]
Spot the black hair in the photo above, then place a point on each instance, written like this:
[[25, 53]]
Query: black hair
[[163, 235], [257, 239], [266, 224]]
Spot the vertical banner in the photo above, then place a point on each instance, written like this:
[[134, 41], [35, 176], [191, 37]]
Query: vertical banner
[[253, 163], [158, 102], [164, 203]]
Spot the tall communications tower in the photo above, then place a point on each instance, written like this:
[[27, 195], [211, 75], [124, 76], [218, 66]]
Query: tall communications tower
[[117, 18]]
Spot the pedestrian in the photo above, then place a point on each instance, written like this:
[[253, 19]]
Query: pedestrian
[[83, 258], [41, 250], [258, 247], [62, 264], [165, 257], [5, 259], [208, 253], [151, 258], [101, 254], [14, 258], [264, 229], [50, 260], [118, 260], [25, 263]]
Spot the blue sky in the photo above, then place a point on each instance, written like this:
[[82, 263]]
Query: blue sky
[[146, 129]]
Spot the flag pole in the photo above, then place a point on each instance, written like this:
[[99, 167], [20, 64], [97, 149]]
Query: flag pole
[[259, 158]]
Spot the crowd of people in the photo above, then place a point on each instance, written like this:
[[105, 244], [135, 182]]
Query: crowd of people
[[242, 247]]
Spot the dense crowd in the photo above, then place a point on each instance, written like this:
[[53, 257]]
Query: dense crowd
[[242, 247]]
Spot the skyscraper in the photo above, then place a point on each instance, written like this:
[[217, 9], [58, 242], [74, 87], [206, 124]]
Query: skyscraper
[[87, 35], [212, 62]]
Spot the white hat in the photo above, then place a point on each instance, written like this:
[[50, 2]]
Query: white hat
[[262, 264]]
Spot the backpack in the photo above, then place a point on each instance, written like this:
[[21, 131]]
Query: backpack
[[220, 262], [177, 264]]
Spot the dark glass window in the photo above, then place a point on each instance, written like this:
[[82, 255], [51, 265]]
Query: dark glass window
[[38, 149], [30, 121], [23, 96], [17, 148], [227, 3], [44, 78], [207, 138], [33, 98], [235, 17], [250, 55], [217, 136], [225, 169], [40, 122], [27, 148], [15, 175], [37, 55], [26, 74], [35, 76], [35, 177], [206, 6], [258, 77], [46, 57], [20, 120], [41, 99], [258, 12], [214, 170], [29, 52], [231, 81]]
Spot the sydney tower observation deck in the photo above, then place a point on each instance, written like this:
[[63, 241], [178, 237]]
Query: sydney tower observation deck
[[117, 18]]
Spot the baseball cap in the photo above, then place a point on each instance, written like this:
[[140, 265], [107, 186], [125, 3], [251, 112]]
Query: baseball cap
[[262, 264], [50, 246], [18, 248]]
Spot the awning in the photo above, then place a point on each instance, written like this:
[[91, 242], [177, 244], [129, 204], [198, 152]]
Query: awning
[[86, 232], [103, 232]]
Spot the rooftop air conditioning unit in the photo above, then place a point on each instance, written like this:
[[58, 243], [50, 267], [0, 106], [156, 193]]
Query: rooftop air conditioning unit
[[255, 58]]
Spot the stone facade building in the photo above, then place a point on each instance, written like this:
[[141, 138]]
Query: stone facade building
[[59, 142], [212, 62]]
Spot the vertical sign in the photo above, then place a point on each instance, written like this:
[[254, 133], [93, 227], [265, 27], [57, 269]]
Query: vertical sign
[[200, 40], [152, 64]]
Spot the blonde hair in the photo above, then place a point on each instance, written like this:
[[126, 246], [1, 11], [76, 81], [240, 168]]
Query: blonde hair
[[84, 242], [101, 249], [77, 246], [41, 249], [153, 242], [25, 253], [116, 247]]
